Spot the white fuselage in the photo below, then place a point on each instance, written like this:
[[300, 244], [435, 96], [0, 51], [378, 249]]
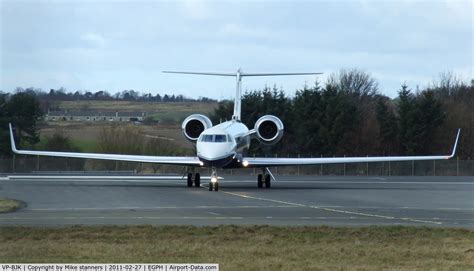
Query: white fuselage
[[222, 144]]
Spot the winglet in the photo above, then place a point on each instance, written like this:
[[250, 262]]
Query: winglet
[[12, 139], [455, 144]]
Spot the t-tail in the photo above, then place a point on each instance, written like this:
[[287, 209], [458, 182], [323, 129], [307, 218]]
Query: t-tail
[[238, 92]]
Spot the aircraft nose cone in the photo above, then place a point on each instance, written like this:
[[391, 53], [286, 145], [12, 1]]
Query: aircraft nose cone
[[206, 153], [215, 154], [213, 151]]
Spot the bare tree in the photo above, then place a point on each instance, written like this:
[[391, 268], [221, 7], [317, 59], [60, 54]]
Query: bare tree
[[161, 146], [354, 81], [448, 84], [120, 140]]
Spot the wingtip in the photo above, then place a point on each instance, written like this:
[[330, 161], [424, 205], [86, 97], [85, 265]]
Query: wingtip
[[12, 138], [455, 143]]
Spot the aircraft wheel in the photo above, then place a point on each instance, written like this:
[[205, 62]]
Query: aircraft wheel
[[259, 181], [190, 179], [267, 181], [210, 186], [197, 180], [216, 187]]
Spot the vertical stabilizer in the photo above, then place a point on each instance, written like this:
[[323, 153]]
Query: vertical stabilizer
[[238, 96]]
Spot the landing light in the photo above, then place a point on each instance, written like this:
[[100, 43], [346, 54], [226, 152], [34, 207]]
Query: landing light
[[201, 163], [245, 163], [213, 179]]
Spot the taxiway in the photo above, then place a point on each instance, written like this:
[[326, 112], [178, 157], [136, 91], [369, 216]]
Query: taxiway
[[292, 200]]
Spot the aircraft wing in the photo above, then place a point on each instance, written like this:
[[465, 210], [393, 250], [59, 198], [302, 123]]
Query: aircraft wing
[[274, 161], [170, 160]]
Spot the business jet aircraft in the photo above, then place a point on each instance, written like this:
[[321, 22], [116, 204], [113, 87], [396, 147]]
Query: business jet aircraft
[[224, 145]]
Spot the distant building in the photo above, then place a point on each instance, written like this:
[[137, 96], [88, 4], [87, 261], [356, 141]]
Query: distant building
[[119, 116]]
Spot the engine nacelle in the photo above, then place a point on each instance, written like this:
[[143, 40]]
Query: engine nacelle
[[269, 129], [194, 125]]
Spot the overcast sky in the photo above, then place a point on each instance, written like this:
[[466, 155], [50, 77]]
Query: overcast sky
[[117, 45]]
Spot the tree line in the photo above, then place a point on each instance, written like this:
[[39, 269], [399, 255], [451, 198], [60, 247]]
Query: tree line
[[347, 115], [62, 94], [22, 109]]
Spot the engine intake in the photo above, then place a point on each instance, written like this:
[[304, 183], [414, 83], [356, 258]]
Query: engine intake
[[269, 129], [194, 125]]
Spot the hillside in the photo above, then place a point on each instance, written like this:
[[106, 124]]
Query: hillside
[[171, 113], [168, 115]]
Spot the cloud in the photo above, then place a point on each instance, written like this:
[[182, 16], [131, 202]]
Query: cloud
[[93, 39], [196, 9], [124, 44]]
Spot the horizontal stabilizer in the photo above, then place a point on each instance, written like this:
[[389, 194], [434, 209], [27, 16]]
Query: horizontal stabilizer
[[243, 74], [279, 74], [203, 73]]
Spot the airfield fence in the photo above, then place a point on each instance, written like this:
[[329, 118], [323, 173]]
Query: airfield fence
[[37, 164]]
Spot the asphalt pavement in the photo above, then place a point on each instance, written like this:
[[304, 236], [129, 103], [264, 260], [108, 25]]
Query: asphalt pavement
[[292, 200]]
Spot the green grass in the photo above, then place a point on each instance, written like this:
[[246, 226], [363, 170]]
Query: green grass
[[173, 118], [85, 145], [9, 205], [246, 247]]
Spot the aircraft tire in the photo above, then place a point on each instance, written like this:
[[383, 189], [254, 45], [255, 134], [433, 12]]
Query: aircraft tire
[[210, 186], [268, 181], [216, 187], [259, 181], [190, 179], [197, 180]]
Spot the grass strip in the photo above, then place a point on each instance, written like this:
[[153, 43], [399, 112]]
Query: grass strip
[[245, 247], [9, 205]]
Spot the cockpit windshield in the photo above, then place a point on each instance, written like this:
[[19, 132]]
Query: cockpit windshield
[[220, 138], [214, 138], [207, 138]]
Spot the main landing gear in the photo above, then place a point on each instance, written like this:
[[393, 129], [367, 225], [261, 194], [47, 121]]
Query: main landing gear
[[196, 181], [264, 178]]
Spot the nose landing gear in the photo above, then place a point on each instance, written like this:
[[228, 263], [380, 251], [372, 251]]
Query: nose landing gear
[[214, 184]]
